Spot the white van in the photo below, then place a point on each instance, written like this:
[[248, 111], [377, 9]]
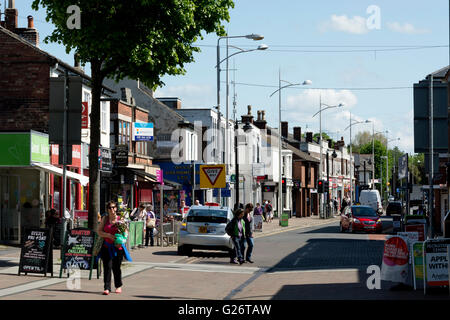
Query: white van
[[372, 199]]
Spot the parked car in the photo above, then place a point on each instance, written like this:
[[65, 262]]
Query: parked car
[[360, 218], [394, 207], [204, 228], [372, 199]]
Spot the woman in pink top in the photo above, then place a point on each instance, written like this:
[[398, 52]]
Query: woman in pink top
[[111, 254]]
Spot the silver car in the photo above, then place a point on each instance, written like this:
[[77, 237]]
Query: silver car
[[204, 228]]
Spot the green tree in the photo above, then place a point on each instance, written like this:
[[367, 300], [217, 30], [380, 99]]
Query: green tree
[[140, 39]]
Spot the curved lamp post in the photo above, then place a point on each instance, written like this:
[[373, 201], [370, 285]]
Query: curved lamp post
[[252, 36], [340, 105], [280, 189]]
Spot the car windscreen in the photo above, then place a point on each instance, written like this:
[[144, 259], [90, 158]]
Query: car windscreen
[[213, 216], [363, 212]]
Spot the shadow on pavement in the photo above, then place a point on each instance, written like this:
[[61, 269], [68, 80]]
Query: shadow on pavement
[[325, 253], [352, 291]]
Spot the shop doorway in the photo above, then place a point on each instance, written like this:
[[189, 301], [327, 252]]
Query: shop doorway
[[10, 209]]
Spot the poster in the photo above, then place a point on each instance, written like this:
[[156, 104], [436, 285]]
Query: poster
[[436, 263], [258, 223], [417, 258], [395, 260]]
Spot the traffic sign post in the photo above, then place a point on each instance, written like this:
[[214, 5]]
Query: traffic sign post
[[212, 176]]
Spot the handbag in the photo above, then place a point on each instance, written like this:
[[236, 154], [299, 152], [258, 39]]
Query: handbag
[[151, 222]]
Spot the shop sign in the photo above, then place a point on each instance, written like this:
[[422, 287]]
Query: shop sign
[[20, 148], [121, 155], [40, 151], [436, 263], [106, 160]]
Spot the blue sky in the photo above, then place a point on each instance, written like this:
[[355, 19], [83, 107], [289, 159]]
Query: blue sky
[[306, 40]]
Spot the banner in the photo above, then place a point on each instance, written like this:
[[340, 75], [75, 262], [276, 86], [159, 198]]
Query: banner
[[395, 260]]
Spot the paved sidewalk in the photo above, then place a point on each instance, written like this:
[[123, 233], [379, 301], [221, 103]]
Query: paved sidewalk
[[14, 286]]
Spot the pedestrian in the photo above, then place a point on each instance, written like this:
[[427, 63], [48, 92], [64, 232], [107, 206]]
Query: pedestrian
[[197, 203], [269, 210], [344, 204], [139, 214], [236, 230], [248, 234], [335, 204], [183, 209], [258, 210], [150, 225], [111, 253], [265, 211]]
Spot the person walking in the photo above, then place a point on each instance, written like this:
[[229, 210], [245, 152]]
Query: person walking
[[269, 210], [236, 230], [111, 253], [248, 234], [150, 225]]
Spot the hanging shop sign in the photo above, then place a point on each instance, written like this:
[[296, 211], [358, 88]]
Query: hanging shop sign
[[23, 148]]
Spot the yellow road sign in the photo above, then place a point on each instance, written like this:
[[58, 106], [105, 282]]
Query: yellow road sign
[[212, 176]]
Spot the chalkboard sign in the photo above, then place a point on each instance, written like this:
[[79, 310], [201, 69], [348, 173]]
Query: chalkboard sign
[[77, 250], [36, 254]]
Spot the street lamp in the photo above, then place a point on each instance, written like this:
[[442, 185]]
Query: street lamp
[[351, 154], [320, 140], [280, 189], [252, 36], [247, 127]]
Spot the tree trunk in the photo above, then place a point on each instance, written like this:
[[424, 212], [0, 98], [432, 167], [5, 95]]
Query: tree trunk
[[94, 177]]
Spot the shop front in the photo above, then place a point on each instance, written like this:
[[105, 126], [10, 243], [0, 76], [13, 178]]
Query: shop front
[[25, 172]]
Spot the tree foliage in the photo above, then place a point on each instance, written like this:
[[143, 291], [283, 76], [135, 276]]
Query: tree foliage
[[139, 39]]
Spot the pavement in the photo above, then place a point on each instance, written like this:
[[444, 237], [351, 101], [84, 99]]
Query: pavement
[[158, 273], [17, 287]]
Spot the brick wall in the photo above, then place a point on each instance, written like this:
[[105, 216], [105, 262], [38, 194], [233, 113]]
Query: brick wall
[[24, 86]]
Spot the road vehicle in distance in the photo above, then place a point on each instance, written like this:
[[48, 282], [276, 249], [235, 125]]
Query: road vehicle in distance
[[204, 228], [394, 207], [372, 199], [360, 218]]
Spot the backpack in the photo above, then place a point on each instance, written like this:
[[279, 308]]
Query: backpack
[[229, 228], [269, 207]]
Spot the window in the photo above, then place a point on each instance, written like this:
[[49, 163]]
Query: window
[[124, 132], [103, 116]]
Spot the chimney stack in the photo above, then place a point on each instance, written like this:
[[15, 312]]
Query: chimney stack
[[261, 122], [309, 137], [248, 117], [284, 129], [30, 22], [11, 17], [298, 133]]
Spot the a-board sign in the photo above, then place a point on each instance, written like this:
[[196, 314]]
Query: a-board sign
[[77, 250], [436, 263], [36, 253]]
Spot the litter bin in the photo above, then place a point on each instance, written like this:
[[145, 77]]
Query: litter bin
[[284, 219]]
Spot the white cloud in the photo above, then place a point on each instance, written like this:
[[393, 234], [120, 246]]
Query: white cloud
[[300, 108], [355, 25], [406, 28], [191, 95]]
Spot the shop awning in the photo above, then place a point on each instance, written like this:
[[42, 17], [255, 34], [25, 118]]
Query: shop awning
[[59, 172], [152, 178]]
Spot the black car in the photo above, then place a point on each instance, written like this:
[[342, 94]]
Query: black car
[[394, 207]]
